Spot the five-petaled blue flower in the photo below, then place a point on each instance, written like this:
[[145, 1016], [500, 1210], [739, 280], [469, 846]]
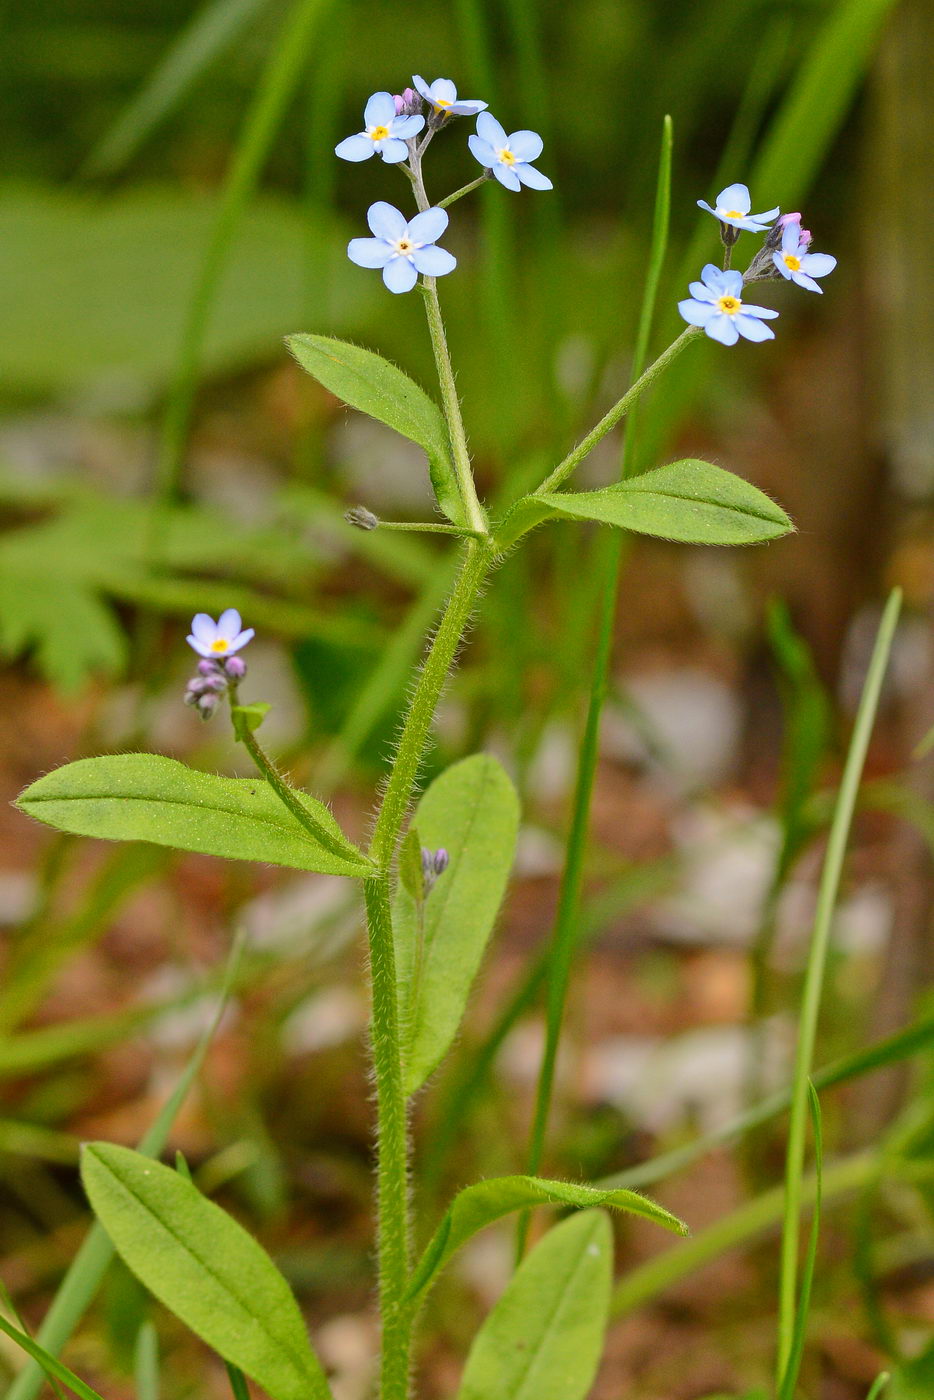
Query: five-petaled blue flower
[[795, 262], [733, 206], [221, 638], [442, 96], [403, 249], [716, 304], [385, 132], [508, 156]]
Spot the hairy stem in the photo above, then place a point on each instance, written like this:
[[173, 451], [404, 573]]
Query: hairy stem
[[464, 189], [619, 410]]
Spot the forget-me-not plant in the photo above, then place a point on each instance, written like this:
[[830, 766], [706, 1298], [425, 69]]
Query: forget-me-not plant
[[441, 95], [716, 304], [509, 157], [796, 263], [403, 248], [733, 206]]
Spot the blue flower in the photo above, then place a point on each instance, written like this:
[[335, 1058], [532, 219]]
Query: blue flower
[[795, 262], [401, 249], [733, 206], [221, 638], [385, 132], [442, 96], [716, 304], [508, 156]]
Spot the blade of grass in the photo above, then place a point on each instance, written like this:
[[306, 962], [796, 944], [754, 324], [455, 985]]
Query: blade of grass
[[209, 32], [792, 1370], [91, 1262], [277, 86], [146, 1363], [564, 937], [48, 1364], [816, 964], [878, 1386]]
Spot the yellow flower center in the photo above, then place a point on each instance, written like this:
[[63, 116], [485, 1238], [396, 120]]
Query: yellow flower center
[[220, 644], [506, 156], [734, 213], [729, 305], [378, 133], [441, 102], [404, 246], [791, 262]]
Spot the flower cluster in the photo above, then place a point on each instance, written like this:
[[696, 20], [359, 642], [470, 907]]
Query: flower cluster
[[716, 302], [397, 130], [219, 668]]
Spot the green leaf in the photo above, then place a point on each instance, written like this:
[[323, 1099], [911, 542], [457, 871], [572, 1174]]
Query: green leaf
[[375, 386], [543, 1339], [473, 812], [248, 718], [205, 1268], [480, 1205], [72, 632], [690, 501], [145, 797]]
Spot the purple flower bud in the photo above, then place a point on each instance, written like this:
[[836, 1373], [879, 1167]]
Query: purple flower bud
[[434, 863], [789, 219], [207, 705], [441, 860], [400, 103], [235, 666], [207, 668]]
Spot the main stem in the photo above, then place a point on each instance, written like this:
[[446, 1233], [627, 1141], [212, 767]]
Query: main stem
[[393, 1242]]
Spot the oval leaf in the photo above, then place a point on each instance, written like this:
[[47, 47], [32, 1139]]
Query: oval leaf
[[479, 1205], [146, 797], [693, 502], [205, 1268], [543, 1339], [375, 386], [473, 812]]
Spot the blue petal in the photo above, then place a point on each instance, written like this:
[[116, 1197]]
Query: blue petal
[[780, 263], [406, 127], [507, 176], [732, 283], [433, 262], [380, 110], [202, 648], [443, 90], [752, 329], [482, 151], [400, 275], [791, 237], [386, 221], [818, 264], [722, 328], [229, 623], [696, 313], [355, 148], [713, 277], [467, 107], [421, 87], [393, 150], [489, 129], [369, 252], [808, 283], [242, 639], [765, 313], [204, 627], [532, 177], [735, 197], [701, 293], [768, 216], [526, 145], [702, 204], [428, 226]]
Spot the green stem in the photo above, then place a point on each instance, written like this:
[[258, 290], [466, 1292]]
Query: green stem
[[619, 410], [464, 189], [285, 793], [392, 1171], [476, 518], [814, 977], [476, 562], [427, 527]]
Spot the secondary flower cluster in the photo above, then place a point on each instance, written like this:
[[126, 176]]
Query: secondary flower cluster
[[396, 128], [219, 668], [716, 301]]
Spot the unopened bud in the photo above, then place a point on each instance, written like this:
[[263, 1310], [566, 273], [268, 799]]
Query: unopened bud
[[235, 666], [361, 517], [207, 705], [434, 863], [207, 668]]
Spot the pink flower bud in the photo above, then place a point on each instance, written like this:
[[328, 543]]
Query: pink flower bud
[[789, 219], [235, 666], [400, 104], [806, 236]]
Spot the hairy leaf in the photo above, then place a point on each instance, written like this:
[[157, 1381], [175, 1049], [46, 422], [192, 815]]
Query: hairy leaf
[[205, 1268], [146, 797]]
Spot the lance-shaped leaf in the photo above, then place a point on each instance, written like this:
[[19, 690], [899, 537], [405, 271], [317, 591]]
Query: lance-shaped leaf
[[375, 386], [481, 1204], [473, 812], [146, 797], [691, 501], [205, 1268], [543, 1339]]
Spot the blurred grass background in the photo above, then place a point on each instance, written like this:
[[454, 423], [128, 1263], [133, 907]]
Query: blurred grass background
[[169, 209]]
